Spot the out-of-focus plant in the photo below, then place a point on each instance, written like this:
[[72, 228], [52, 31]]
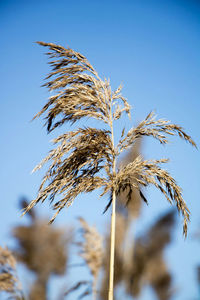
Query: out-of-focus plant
[[43, 249], [147, 264], [91, 250], [9, 281]]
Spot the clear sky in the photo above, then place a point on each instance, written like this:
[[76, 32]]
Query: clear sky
[[153, 48]]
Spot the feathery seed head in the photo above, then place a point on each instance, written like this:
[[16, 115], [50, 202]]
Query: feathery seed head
[[84, 159]]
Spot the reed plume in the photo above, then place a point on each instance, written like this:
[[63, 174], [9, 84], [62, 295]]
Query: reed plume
[[85, 158]]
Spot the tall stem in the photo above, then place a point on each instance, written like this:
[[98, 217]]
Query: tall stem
[[112, 230], [112, 249]]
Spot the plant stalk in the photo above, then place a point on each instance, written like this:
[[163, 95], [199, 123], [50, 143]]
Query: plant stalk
[[112, 248], [112, 228]]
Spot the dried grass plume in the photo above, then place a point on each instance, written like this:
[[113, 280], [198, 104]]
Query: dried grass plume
[[84, 159]]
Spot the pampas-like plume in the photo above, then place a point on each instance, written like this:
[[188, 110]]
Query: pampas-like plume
[[9, 281], [85, 159]]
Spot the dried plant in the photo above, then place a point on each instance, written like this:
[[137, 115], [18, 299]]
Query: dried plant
[[85, 159], [43, 249], [9, 281], [92, 251], [147, 264]]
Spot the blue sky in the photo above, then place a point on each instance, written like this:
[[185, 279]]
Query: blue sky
[[152, 48]]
